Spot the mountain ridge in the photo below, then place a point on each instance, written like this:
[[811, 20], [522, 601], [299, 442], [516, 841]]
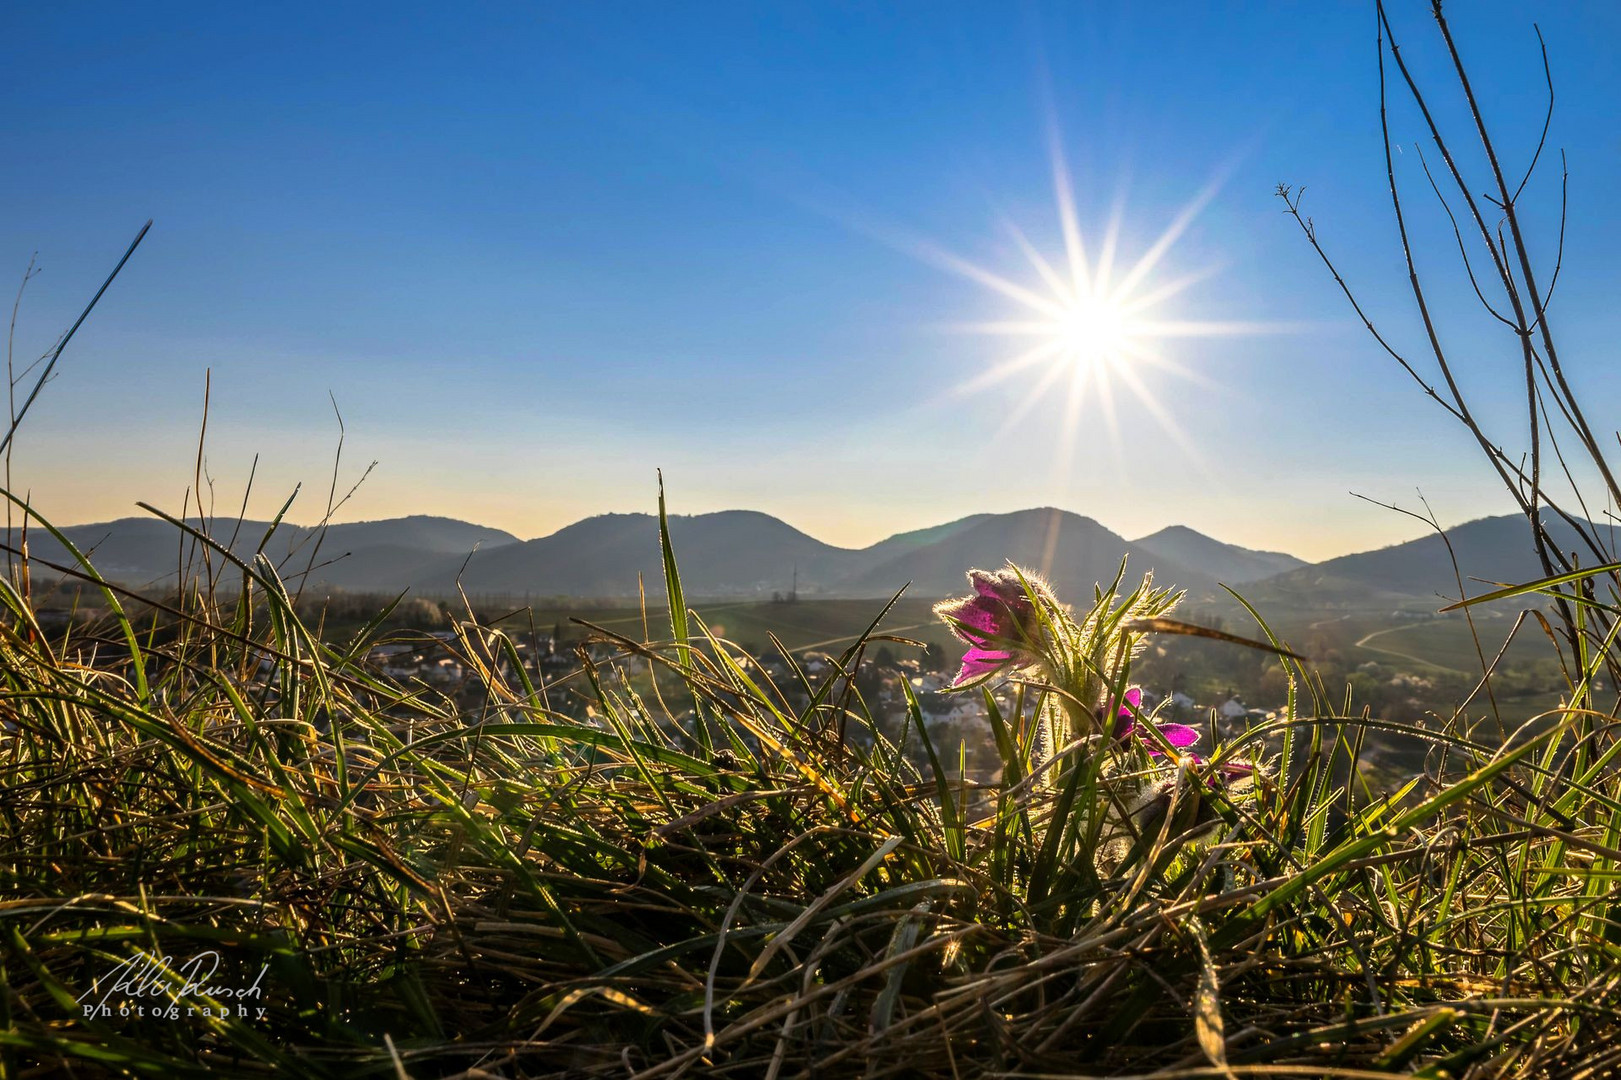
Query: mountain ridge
[[1229, 563], [751, 554], [1488, 551]]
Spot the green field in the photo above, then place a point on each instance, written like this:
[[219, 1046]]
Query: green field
[[825, 625]]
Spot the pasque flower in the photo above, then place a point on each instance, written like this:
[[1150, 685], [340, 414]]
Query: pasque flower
[[1226, 773], [1178, 735], [999, 621]]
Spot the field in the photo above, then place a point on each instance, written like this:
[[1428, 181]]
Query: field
[[823, 625]]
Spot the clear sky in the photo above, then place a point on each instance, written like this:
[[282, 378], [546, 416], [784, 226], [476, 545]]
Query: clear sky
[[536, 251]]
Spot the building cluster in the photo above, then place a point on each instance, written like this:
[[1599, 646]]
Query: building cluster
[[958, 725], [436, 658]]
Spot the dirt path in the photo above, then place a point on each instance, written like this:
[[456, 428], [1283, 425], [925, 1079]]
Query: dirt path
[[656, 612], [852, 637], [1363, 644]]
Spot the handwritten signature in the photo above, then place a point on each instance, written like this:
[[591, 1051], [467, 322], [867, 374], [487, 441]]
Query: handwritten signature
[[190, 988]]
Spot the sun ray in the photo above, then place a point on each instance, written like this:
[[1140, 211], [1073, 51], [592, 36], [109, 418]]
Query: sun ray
[[1054, 281], [1089, 330], [1103, 375], [1069, 427], [1173, 232], [1171, 328], [1174, 287], [1168, 427], [1069, 220], [927, 251], [1111, 243], [973, 272], [1148, 357], [1045, 350], [1004, 328], [1151, 405], [1028, 402]]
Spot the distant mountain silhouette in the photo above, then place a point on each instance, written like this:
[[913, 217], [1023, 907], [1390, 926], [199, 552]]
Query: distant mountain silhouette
[[1494, 549], [1071, 551], [750, 555], [421, 531], [901, 543], [1227, 563], [389, 554], [730, 553]]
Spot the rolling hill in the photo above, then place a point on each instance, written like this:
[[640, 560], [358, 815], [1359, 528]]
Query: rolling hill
[[1072, 551], [730, 553], [733, 553], [1227, 563], [388, 554], [1494, 549]]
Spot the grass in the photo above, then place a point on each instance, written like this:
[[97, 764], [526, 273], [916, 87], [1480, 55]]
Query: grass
[[228, 847], [503, 890]]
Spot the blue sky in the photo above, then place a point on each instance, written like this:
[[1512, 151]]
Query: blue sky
[[537, 251]]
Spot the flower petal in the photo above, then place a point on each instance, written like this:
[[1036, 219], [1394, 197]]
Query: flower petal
[[1126, 717], [1003, 586], [1179, 735], [973, 613], [980, 662]]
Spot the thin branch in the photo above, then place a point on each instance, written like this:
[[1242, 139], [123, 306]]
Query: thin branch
[[1559, 257], [17, 416], [1463, 251], [1310, 230], [1527, 272], [1547, 120]]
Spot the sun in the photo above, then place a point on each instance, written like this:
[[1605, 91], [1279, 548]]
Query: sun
[[1093, 325], [1093, 330]]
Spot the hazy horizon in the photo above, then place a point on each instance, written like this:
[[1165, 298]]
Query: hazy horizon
[[1418, 530]]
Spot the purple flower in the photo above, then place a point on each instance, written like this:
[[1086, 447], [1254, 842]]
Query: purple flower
[[999, 622], [1178, 735], [1231, 772]]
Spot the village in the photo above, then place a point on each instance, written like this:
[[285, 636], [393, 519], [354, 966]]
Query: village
[[886, 686]]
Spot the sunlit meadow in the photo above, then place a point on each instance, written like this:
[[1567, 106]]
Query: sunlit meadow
[[234, 841]]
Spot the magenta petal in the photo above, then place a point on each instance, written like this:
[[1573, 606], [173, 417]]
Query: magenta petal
[[985, 615], [994, 588], [980, 655], [1179, 734], [975, 614], [1126, 718], [980, 662]]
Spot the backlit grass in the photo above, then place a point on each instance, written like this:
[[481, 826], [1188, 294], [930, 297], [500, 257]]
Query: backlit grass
[[438, 888]]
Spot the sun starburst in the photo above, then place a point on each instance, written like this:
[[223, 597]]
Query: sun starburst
[[1090, 328]]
